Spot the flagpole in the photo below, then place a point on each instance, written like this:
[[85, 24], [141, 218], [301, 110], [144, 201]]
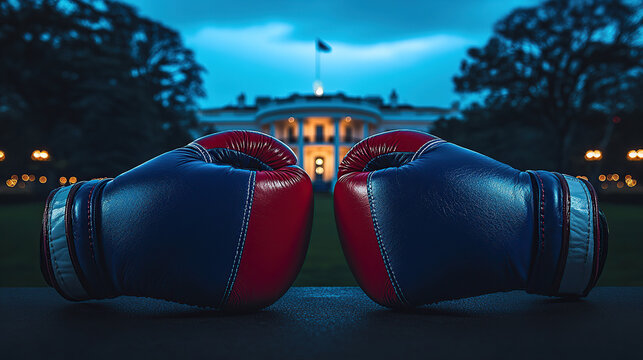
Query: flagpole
[[319, 48], [316, 63]]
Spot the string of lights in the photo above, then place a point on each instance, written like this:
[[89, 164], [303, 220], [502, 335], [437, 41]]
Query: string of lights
[[590, 155]]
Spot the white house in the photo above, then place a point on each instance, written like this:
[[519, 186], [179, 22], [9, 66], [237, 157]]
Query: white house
[[321, 129]]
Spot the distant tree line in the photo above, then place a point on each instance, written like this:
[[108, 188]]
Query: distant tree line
[[94, 83], [553, 81]]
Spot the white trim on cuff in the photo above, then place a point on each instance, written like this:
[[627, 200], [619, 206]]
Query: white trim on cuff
[[61, 263], [580, 253]]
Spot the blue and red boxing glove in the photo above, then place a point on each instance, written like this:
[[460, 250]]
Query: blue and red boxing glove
[[223, 222], [422, 220]]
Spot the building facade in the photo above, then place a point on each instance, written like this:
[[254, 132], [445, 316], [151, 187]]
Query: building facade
[[321, 129]]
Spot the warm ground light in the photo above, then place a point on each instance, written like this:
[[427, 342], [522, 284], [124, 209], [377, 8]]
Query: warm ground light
[[325, 264]]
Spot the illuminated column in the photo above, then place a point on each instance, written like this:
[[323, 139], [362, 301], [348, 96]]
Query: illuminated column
[[300, 141], [365, 129], [336, 148], [272, 128]]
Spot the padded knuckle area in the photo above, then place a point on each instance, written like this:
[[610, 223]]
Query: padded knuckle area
[[394, 159], [289, 177], [388, 149], [237, 159], [248, 150]]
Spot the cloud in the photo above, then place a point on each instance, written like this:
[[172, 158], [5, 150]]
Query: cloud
[[274, 43]]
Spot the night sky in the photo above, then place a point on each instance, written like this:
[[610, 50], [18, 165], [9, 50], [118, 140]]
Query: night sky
[[267, 47]]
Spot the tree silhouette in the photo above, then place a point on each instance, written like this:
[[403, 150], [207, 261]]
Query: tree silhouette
[[561, 65], [98, 85]]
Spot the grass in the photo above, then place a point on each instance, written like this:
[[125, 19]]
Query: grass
[[624, 265], [325, 264], [19, 243]]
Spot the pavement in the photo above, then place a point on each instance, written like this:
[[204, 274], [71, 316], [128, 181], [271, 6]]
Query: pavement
[[324, 323]]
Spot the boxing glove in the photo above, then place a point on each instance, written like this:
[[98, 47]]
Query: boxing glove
[[422, 220], [223, 222]]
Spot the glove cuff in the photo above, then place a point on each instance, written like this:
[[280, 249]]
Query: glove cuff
[[69, 248], [570, 243], [583, 255]]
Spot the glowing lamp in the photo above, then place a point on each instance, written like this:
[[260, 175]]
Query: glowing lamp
[[40, 155], [318, 89], [42, 179], [593, 155]]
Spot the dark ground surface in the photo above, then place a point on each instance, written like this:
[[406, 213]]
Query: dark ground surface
[[310, 323]]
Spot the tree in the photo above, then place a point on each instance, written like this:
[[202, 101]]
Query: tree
[[95, 83], [563, 65], [498, 134]]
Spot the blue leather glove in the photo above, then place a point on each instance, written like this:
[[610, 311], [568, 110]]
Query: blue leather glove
[[223, 222], [423, 220]]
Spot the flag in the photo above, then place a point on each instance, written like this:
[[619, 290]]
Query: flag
[[322, 46]]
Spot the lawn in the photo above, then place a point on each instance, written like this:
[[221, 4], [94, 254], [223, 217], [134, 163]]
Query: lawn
[[325, 264]]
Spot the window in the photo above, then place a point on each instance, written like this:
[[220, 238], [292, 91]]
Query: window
[[319, 133], [348, 137], [291, 134]]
